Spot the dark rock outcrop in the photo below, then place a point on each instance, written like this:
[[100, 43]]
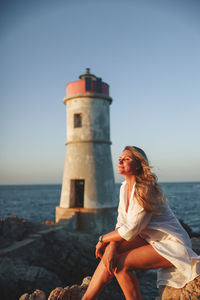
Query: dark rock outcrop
[[189, 230], [16, 277], [15, 229], [44, 259]]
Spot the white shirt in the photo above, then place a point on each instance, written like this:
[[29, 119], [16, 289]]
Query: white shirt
[[164, 233]]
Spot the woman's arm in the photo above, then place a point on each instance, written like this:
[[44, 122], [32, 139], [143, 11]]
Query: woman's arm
[[112, 236], [107, 252], [137, 220], [109, 244]]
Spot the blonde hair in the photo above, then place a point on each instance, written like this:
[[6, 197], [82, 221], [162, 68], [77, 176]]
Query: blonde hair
[[147, 191]]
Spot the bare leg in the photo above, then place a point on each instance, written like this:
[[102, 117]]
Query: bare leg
[[101, 276], [142, 258], [129, 285], [134, 255], [99, 280]]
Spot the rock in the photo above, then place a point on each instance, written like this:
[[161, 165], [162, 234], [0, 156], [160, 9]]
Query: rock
[[15, 229], [17, 278], [36, 295], [75, 292], [196, 244], [51, 259], [24, 297], [190, 291], [86, 281], [186, 227], [195, 234], [84, 285], [189, 230], [59, 293], [56, 256]]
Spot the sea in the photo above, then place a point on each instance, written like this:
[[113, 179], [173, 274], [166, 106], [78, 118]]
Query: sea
[[37, 203]]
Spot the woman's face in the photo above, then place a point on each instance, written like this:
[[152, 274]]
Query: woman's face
[[127, 164]]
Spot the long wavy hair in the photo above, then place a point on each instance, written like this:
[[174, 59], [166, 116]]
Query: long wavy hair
[[147, 191]]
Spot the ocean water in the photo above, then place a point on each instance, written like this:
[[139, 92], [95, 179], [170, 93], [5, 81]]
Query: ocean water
[[37, 202]]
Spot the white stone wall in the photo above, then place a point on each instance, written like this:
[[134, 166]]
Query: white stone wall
[[95, 119], [88, 154]]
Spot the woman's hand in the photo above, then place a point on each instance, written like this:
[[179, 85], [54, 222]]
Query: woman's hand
[[109, 257], [100, 247]]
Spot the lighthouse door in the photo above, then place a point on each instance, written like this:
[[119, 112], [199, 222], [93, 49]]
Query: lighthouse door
[[77, 193]]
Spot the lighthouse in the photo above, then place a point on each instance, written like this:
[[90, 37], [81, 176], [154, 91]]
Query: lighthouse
[[88, 180]]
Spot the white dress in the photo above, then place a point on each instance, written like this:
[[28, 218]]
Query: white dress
[[165, 234]]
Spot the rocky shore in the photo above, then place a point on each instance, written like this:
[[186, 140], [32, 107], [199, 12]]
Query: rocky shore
[[47, 255]]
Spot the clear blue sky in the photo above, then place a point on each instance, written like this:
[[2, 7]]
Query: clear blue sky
[[147, 51]]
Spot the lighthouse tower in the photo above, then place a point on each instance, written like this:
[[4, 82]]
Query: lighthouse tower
[[88, 180]]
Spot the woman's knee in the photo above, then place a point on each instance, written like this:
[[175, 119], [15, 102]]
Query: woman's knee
[[122, 264]]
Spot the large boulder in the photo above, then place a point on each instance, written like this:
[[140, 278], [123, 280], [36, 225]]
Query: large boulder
[[16, 229], [75, 292], [17, 277], [190, 291], [36, 295]]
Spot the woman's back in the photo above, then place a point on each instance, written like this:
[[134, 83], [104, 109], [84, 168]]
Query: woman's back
[[168, 223]]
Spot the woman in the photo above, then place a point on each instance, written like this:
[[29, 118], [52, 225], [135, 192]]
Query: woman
[[147, 235]]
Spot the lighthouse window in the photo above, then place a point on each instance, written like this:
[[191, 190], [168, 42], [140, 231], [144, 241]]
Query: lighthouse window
[[77, 120], [88, 84], [98, 85]]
